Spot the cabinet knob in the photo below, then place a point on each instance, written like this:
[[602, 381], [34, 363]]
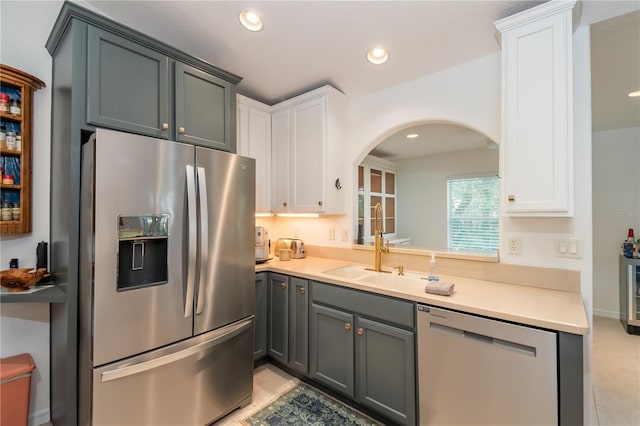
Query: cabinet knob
[[181, 130], [347, 326], [283, 285], [284, 204], [360, 331], [511, 198], [319, 203], [302, 290], [165, 126]]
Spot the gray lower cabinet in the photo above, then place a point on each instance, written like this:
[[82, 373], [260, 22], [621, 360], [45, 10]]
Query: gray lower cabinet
[[278, 315], [331, 348], [260, 323], [288, 313], [385, 369], [298, 324], [356, 349]]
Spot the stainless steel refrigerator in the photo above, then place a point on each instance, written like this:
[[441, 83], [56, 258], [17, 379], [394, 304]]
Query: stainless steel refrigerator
[[166, 282]]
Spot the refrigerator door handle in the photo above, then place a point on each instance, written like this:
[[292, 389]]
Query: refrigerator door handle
[[204, 238], [226, 334], [192, 232]]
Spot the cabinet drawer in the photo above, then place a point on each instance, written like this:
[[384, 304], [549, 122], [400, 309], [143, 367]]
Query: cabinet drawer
[[371, 305]]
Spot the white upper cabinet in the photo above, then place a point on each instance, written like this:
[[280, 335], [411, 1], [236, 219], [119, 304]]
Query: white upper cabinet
[[281, 160], [254, 140], [309, 166], [537, 111]]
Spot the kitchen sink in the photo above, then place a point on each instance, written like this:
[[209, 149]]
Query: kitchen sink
[[351, 272]]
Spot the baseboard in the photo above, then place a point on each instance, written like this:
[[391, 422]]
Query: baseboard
[[42, 417], [606, 314]]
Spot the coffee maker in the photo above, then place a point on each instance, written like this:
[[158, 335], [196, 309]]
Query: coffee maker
[[263, 244]]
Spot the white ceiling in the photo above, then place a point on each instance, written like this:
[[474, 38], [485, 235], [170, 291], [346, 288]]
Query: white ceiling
[[306, 44]]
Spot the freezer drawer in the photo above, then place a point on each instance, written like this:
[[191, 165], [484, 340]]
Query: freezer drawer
[[190, 383], [477, 371]]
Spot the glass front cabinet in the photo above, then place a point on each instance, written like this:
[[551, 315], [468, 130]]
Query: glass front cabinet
[[630, 294]]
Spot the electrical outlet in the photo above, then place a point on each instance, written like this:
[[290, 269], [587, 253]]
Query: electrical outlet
[[345, 235], [514, 245], [332, 234], [295, 233]]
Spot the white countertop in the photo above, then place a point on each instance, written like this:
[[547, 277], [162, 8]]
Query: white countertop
[[551, 309]]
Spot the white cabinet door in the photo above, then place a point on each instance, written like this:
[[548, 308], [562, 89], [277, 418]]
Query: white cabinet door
[[308, 154], [254, 140], [308, 161], [280, 161], [537, 111]]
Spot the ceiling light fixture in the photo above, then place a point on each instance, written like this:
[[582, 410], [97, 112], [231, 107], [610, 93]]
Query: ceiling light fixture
[[377, 55], [634, 94], [412, 135], [251, 20]]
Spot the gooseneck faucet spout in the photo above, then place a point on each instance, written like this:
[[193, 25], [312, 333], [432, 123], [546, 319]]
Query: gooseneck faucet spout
[[379, 244]]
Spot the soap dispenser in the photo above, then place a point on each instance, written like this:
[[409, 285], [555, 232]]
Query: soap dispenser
[[433, 269]]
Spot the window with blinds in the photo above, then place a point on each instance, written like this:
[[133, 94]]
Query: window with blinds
[[473, 213]]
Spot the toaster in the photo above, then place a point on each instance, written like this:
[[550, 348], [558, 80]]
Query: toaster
[[295, 245]]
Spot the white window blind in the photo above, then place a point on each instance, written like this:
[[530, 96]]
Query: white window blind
[[473, 211]]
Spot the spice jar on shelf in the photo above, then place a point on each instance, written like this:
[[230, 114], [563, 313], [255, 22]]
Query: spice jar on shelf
[[14, 106], [10, 141], [15, 211], [3, 137], [18, 142], [7, 179], [4, 102], [5, 212]]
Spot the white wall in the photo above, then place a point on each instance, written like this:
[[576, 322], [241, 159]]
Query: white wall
[[616, 208], [422, 192], [25, 27]]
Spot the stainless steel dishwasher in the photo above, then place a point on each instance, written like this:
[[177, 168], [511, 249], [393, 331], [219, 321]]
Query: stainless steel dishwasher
[[478, 371]]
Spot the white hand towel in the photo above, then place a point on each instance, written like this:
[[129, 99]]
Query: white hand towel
[[439, 287]]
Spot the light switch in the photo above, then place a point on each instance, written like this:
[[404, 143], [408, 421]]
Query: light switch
[[573, 247], [562, 246]]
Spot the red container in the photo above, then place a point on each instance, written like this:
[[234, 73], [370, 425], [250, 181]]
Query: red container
[[15, 388]]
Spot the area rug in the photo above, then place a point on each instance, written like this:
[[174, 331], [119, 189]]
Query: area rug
[[304, 405]]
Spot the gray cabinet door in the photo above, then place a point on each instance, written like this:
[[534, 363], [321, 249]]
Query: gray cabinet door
[[385, 366], [205, 109], [298, 324], [127, 85], [331, 348], [278, 308], [260, 328]]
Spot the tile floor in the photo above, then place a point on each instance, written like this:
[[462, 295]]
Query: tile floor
[[269, 382], [616, 373]]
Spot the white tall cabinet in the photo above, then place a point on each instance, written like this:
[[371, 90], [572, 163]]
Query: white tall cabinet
[[537, 111], [308, 138], [254, 140]]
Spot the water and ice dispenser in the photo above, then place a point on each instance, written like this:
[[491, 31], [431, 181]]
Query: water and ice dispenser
[[142, 251]]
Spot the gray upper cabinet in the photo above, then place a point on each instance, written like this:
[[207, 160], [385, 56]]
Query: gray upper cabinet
[[127, 85], [134, 87], [203, 113]]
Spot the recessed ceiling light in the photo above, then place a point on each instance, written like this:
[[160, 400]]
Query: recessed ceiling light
[[634, 94], [377, 55], [412, 135], [251, 20]]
